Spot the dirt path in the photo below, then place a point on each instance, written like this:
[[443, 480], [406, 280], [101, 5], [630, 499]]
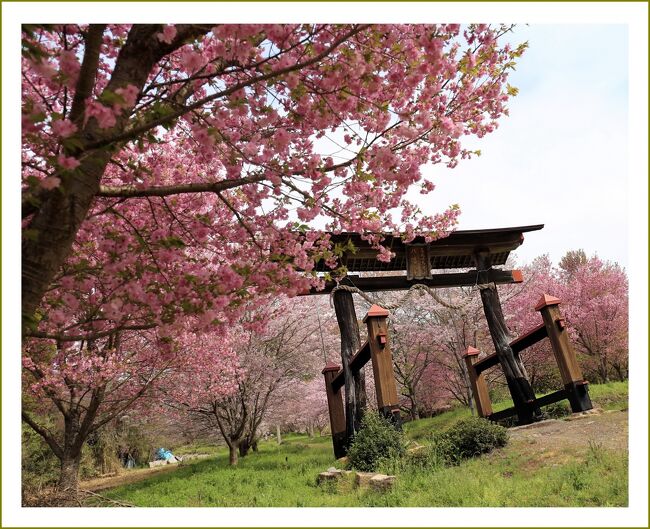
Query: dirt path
[[130, 476], [555, 441]]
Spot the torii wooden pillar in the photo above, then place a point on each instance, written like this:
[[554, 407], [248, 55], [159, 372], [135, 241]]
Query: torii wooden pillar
[[480, 391], [382, 364], [554, 328], [521, 391], [574, 385], [355, 383], [376, 349], [336, 411]]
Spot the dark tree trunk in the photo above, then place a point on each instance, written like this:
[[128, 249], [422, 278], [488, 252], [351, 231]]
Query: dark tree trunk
[[621, 371], [468, 387], [360, 393], [74, 435], [602, 369], [413, 412], [62, 210], [233, 460], [521, 391], [69, 477], [355, 387], [55, 226]]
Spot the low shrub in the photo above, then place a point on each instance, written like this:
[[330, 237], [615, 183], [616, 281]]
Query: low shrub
[[377, 440], [557, 410], [467, 438]]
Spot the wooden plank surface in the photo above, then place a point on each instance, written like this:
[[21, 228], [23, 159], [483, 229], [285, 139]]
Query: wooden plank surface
[[503, 414], [454, 251], [522, 342], [359, 360], [530, 338], [556, 396], [336, 414]]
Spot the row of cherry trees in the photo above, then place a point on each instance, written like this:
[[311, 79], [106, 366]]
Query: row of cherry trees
[[595, 304], [430, 338]]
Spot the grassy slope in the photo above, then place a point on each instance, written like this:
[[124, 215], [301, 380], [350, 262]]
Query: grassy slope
[[285, 476]]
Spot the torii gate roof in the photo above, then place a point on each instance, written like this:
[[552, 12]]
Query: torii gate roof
[[454, 251]]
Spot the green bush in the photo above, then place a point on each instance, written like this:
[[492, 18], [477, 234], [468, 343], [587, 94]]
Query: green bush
[[376, 441], [467, 438], [40, 467], [557, 410]]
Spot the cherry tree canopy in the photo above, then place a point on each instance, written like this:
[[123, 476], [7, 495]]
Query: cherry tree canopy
[[170, 170]]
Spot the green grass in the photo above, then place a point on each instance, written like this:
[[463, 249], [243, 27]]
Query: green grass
[[285, 475], [610, 396], [198, 448], [282, 475], [507, 478]]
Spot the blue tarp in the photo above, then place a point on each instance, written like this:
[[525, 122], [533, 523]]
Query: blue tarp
[[165, 454]]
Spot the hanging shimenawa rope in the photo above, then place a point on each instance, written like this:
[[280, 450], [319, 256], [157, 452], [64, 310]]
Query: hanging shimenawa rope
[[391, 306]]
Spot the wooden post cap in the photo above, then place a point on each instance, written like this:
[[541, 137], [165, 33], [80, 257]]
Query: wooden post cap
[[375, 312], [471, 351], [330, 366], [546, 301], [517, 276]]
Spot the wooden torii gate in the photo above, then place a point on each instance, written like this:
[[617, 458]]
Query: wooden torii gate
[[478, 249]]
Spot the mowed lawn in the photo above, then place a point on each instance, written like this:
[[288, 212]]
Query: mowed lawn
[[285, 475]]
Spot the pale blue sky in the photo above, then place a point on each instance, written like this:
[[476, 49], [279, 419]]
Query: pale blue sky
[[561, 157]]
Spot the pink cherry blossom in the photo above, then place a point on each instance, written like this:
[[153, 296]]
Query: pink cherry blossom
[[63, 128], [104, 115], [129, 94], [168, 34], [207, 193], [68, 162], [50, 182]]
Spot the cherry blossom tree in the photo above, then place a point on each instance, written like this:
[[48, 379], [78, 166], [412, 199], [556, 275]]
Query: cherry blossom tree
[[594, 298], [414, 349], [170, 173], [303, 408], [90, 383], [572, 260], [596, 310], [271, 360], [540, 277], [125, 121]]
